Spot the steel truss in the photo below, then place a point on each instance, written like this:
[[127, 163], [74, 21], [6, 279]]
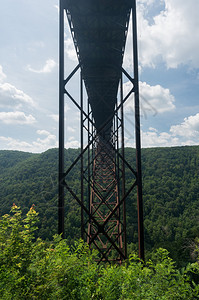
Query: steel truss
[[103, 190]]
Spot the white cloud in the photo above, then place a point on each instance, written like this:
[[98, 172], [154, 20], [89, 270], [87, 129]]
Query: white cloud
[[17, 117], [70, 49], [156, 98], [47, 68], [72, 144], [153, 138], [173, 36], [43, 132], [189, 128], [13, 97], [55, 117], [40, 145], [186, 133], [153, 99], [152, 129], [8, 143], [2, 75], [46, 142]]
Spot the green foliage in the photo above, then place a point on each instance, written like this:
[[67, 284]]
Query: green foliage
[[17, 249], [157, 279], [171, 200], [34, 269], [170, 195]]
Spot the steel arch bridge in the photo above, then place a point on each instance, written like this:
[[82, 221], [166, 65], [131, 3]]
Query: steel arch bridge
[[99, 31]]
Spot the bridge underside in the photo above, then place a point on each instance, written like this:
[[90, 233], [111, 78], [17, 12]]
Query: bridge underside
[[99, 30]]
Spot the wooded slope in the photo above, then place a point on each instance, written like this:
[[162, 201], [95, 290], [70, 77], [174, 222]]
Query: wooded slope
[[170, 193]]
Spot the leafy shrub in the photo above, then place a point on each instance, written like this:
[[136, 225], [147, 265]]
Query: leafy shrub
[[34, 269]]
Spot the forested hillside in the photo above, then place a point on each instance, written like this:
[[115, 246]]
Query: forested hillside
[[170, 193]]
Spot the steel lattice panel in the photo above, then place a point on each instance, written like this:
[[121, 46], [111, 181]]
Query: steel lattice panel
[[99, 30]]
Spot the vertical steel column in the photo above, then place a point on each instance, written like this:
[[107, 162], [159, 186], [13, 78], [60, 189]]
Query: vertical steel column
[[61, 120], [88, 163], [82, 158], [123, 166], [117, 175], [137, 134]]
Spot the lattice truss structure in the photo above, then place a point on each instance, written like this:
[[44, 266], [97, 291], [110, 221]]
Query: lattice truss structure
[[99, 30]]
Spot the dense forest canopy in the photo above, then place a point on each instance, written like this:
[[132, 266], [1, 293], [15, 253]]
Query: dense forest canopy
[[170, 193]]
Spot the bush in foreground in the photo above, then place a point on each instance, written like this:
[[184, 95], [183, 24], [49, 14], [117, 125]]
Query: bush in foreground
[[34, 269]]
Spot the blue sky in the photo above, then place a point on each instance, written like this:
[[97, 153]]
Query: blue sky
[[168, 33]]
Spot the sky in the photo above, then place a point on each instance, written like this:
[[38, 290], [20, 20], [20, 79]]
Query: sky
[[168, 43]]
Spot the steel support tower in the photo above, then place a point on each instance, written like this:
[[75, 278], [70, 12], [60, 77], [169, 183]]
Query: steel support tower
[[99, 31]]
